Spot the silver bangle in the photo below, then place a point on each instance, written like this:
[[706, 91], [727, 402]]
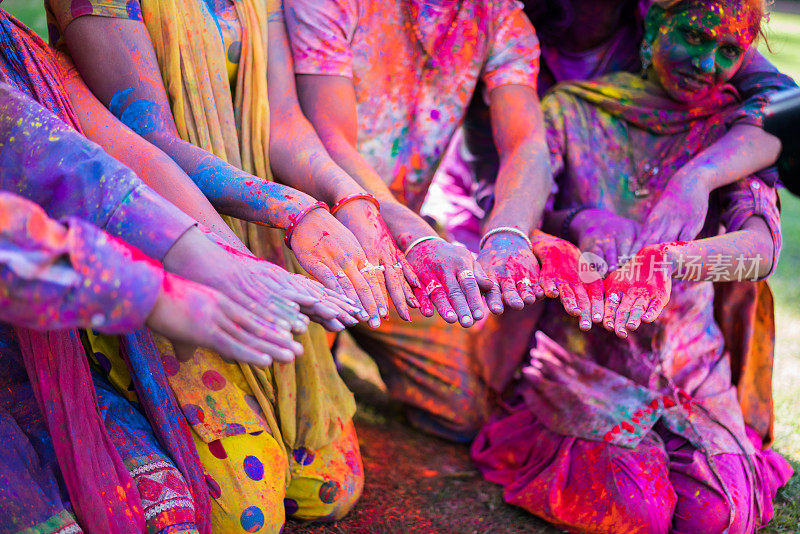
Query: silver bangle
[[505, 229], [420, 240]]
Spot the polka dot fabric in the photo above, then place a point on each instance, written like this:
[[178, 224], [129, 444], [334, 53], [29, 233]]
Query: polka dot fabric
[[247, 481]]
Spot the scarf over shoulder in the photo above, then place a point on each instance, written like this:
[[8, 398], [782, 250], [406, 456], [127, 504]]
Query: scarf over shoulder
[[743, 310], [305, 402]]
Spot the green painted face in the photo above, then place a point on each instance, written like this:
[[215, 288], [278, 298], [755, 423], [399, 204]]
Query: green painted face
[[698, 49]]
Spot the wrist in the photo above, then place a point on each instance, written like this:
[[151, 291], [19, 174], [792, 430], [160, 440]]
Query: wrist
[[700, 176]]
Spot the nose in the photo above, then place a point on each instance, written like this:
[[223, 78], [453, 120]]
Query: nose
[[704, 63]]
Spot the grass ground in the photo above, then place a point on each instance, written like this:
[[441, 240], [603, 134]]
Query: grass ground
[[420, 484]]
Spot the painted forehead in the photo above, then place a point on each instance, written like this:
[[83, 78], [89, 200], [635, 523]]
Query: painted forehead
[[718, 19]]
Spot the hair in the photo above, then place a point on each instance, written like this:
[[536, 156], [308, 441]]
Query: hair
[[756, 10]]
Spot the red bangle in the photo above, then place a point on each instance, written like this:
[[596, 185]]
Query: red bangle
[[299, 217], [349, 198]]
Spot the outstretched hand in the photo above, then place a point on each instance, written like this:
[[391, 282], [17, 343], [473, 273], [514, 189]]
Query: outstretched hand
[[191, 315], [451, 279], [399, 280], [638, 291], [513, 270], [581, 294]]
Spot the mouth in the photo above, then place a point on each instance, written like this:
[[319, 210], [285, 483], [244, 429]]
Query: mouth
[[692, 82]]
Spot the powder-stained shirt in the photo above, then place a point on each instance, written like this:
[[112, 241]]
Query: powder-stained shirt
[[409, 106], [57, 275]]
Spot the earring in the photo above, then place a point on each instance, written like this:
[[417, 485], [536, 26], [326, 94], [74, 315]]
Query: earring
[[646, 56]]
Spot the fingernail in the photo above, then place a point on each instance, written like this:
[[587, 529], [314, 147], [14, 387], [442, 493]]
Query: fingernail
[[414, 302], [466, 319], [383, 312], [363, 315], [375, 322], [597, 317], [610, 324], [451, 316], [478, 314]]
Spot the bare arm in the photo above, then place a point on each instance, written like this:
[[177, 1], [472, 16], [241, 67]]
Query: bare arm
[[447, 271], [116, 59]]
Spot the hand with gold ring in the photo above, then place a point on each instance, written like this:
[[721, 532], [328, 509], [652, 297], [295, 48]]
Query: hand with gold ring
[[394, 275]]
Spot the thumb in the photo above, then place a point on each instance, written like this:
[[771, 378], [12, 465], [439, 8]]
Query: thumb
[[183, 351]]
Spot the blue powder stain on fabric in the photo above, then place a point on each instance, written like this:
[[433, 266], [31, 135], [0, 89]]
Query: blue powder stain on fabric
[[133, 10]]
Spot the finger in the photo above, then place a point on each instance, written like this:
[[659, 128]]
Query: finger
[[654, 310], [671, 233], [525, 290], [549, 285], [458, 301], [354, 283], [582, 300], [438, 296], [231, 349], [374, 277], [469, 285], [183, 351], [621, 316], [408, 271], [595, 292], [339, 284], [484, 281], [510, 295], [635, 317], [277, 347], [612, 301], [395, 285], [257, 326], [494, 299], [425, 305], [568, 299]]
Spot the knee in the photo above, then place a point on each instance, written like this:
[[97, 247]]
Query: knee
[[326, 483], [461, 420]]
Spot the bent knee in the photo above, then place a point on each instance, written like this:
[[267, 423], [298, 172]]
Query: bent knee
[[460, 423], [328, 482]]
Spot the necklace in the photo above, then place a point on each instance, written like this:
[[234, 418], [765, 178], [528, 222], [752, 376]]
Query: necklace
[[641, 176], [413, 21]]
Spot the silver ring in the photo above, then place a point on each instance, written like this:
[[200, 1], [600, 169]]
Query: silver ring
[[340, 274], [614, 298], [368, 268], [465, 274], [432, 286], [398, 265], [526, 282]]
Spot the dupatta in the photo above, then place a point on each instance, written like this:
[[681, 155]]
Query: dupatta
[[743, 310], [306, 402], [102, 491]]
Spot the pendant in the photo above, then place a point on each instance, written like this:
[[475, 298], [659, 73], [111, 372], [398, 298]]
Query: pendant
[[641, 192]]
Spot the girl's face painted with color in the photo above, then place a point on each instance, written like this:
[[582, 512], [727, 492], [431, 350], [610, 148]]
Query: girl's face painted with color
[[698, 49]]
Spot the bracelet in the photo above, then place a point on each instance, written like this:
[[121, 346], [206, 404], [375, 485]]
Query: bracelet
[[570, 217], [504, 229], [420, 240], [358, 196], [299, 217]]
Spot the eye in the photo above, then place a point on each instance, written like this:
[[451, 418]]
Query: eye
[[730, 51], [693, 37]]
